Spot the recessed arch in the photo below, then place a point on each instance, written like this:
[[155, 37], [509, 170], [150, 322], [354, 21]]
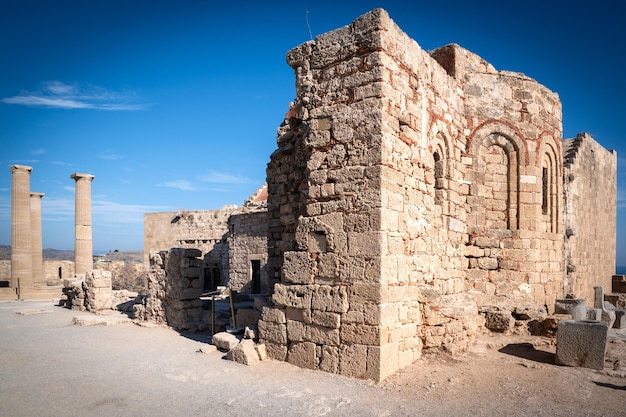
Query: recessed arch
[[497, 153]]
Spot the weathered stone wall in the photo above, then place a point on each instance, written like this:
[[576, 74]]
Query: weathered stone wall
[[408, 190], [57, 270], [515, 203], [185, 229], [5, 271], [183, 287], [247, 242], [591, 196]]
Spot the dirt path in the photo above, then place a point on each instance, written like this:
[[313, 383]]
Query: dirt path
[[50, 367]]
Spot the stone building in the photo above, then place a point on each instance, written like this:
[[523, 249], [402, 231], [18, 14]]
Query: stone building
[[233, 242], [412, 189]]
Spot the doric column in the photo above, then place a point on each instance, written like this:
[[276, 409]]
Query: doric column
[[36, 239], [21, 246], [83, 246]]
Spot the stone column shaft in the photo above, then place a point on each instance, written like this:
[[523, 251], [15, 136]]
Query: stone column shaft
[[83, 245], [21, 238], [36, 237]]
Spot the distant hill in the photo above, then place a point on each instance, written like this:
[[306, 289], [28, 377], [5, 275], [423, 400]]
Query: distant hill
[[68, 255]]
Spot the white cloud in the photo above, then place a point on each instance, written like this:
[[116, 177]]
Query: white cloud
[[183, 185], [56, 94], [112, 213], [224, 178], [39, 151], [110, 156]]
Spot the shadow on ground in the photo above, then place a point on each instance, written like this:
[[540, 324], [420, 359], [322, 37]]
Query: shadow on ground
[[528, 351], [613, 386]]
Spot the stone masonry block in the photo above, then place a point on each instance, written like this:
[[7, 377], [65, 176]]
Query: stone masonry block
[[382, 361], [225, 341], [297, 296], [299, 268], [361, 334], [244, 353], [330, 298], [276, 351], [353, 360], [329, 362], [273, 315], [581, 343], [302, 355], [301, 332], [272, 332]]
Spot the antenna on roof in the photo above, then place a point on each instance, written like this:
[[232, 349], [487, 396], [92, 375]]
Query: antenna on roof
[[307, 24]]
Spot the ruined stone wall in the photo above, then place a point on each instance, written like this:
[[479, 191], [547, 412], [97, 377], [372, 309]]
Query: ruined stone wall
[[247, 242], [408, 190], [57, 270], [185, 229], [324, 207], [591, 196], [183, 287]]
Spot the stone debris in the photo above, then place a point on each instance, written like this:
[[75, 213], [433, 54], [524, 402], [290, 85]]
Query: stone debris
[[225, 341], [245, 352]]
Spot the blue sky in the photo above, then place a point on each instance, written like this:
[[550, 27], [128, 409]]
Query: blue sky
[[174, 104]]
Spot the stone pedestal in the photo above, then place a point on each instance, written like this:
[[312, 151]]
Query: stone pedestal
[[581, 343]]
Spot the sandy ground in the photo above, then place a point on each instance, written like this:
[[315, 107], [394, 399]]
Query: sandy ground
[[51, 367]]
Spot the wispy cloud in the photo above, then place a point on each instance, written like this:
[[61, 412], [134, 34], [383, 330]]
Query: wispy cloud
[[39, 151], [215, 177], [57, 94], [110, 156], [104, 212], [112, 213], [183, 185]]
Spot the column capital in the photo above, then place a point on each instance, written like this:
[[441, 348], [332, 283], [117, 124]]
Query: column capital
[[34, 194], [23, 168], [78, 175]]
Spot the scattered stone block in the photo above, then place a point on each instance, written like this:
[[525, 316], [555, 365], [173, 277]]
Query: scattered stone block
[[250, 332], [576, 307], [581, 343], [225, 341], [245, 353], [618, 283], [620, 319], [499, 321]]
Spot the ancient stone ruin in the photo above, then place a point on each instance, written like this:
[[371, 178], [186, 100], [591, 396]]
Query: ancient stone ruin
[[411, 190], [415, 199]]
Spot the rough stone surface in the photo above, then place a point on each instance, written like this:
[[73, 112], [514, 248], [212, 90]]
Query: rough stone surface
[[581, 343], [577, 308], [225, 341], [245, 353]]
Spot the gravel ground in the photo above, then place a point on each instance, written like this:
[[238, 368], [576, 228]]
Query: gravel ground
[[51, 367]]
